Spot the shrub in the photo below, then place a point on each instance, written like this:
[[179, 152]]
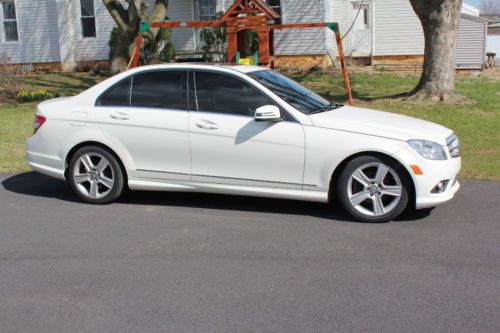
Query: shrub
[[315, 69], [215, 42], [11, 77], [35, 96], [159, 50], [84, 64]]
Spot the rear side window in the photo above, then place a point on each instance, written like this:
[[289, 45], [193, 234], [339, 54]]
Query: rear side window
[[165, 90], [226, 94], [117, 95]]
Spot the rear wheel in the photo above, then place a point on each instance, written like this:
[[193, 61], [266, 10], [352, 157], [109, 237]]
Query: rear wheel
[[95, 175], [373, 189]]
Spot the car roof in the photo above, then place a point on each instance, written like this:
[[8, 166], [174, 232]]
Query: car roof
[[200, 65]]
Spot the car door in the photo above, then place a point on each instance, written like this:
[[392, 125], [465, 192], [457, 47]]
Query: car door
[[147, 115], [228, 146]]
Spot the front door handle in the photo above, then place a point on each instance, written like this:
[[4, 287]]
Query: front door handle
[[119, 116], [205, 124]]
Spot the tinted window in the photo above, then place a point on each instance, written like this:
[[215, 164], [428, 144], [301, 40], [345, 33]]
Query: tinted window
[[164, 90], [118, 95], [293, 93], [226, 94]]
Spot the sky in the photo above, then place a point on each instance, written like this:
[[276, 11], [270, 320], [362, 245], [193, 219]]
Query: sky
[[474, 3]]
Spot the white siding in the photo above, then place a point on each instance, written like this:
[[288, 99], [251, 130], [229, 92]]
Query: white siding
[[98, 48], [398, 30], [337, 11], [183, 38], [471, 43], [301, 41], [95, 48], [38, 33], [493, 45]]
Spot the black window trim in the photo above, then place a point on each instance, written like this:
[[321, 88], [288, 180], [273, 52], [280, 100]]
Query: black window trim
[[131, 84], [245, 80], [82, 17], [15, 20]]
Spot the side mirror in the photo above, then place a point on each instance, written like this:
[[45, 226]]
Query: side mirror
[[268, 113]]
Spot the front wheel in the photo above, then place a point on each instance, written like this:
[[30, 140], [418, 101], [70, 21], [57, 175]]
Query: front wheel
[[95, 175], [373, 189]]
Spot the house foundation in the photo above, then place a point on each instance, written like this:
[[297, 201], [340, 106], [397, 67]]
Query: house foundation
[[303, 61]]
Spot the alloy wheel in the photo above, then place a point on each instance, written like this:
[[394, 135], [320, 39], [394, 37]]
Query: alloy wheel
[[93, 176], [374, 189]]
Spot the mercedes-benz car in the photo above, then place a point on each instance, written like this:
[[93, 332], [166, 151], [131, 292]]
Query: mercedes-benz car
[[242, 130]]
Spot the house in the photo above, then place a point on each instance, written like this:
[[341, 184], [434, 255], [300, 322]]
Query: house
[[55, 32], [493, 38]]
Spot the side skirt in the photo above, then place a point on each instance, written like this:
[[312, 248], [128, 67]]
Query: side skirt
[[188, 186]]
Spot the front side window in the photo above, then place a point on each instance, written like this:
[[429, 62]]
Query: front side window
[[88, 18], [225, 94], [164, 90], [291, 92], [207, 10], [9, 19]]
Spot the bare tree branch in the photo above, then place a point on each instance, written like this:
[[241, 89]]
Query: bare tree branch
[[118, 13]]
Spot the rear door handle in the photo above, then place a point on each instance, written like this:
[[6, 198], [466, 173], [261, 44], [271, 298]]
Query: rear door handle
[[119, 116], [205, 124]]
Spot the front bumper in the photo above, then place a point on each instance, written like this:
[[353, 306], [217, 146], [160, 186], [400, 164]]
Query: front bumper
[[433, 173]]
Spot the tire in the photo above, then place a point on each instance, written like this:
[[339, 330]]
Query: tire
[[96, 176], [373, 189]]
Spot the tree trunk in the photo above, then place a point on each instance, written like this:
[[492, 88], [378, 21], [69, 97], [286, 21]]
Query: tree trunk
[[128, 24], [439, 20], [119, 52]]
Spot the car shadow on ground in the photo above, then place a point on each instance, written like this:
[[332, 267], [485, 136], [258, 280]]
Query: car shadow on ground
[[38, 185]]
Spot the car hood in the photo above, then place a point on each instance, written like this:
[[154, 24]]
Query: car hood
[[382, 124]]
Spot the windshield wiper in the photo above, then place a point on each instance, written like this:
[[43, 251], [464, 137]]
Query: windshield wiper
[[328, 107]]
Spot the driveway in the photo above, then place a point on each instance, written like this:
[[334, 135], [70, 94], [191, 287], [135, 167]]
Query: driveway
[[170, 262]]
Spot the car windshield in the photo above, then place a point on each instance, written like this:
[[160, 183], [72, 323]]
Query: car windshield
[[292, 92]]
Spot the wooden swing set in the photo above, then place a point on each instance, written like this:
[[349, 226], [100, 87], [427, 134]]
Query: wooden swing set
[[241, 16]]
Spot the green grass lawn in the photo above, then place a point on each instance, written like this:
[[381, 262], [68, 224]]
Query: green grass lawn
[[477, 124], [16, 120]]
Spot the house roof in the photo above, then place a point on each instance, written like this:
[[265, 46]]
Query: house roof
[[469, 9], [494, 29], [493, 18], [473, 17]]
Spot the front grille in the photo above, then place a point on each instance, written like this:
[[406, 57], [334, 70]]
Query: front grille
[[453, 145]]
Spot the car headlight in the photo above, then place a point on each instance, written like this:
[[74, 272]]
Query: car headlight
[[453, 145], [428, 149]]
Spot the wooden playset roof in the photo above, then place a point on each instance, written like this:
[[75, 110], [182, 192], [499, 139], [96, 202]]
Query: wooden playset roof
[[250, 7]]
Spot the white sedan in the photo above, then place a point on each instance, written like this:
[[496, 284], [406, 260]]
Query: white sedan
[[240, 130]]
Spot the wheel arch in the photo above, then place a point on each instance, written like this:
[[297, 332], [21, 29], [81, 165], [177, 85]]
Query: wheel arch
[[338, 170], [77, 147]]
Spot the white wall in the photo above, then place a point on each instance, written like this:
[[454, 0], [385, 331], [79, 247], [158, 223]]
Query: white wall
[[398, 30], [96, 48], [337, 11], [38, 33], [183, 38], [301, 41], [493, 45], [471, 43]]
